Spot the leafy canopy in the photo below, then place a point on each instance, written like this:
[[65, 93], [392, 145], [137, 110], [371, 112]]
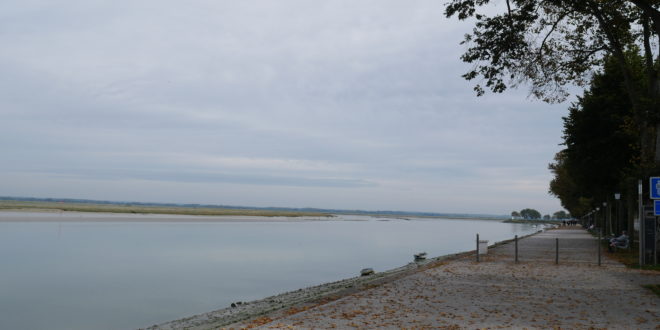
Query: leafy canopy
[[548, 43], [601, 145]]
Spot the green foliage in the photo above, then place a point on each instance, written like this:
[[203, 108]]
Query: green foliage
[[560, 215], [602, 148], [552, 44], [515, 214], [655, 288], [630, 257], [530, 214], [547, 43]]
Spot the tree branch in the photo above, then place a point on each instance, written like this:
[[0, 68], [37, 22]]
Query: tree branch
[[587, 54], [617, 51], [649, 10], [651, 73], [554, 26], [508, 7]]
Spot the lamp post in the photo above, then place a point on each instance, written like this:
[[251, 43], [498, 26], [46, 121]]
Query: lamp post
[[598, 221], [606, 217], [619, 225]]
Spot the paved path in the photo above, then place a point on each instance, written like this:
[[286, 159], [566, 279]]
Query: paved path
[[497, 293]]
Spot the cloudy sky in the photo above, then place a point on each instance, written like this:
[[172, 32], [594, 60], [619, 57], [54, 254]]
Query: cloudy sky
[[331, 104]]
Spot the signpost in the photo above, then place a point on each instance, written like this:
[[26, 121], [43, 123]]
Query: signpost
[[654, 185], [648, 224], [648, 236], [640, 211]]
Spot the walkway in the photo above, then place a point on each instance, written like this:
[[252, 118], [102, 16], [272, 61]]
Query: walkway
[[498, 293]]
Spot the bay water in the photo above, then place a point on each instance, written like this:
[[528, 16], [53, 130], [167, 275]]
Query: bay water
[[76, 272]]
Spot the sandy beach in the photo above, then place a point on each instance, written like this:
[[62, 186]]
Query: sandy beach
[[458, 292]]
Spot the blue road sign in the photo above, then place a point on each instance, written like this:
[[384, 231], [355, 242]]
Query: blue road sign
[[655, 187], [656, 207]]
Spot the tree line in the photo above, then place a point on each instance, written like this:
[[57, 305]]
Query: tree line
[[609, 47], [532, 214]]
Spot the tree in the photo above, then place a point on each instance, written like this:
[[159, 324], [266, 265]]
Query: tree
[[563, 186], [546, 217], [530, 214], [560, 215], [515, 214], [601, 146], [551, 44]]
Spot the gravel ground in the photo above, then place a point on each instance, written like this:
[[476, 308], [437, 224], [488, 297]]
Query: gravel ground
[[497, 293]]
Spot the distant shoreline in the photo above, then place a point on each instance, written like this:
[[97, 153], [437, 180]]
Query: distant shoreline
[[86, 205], [51, 215], [207, 214], [58, 215], [40, 206]]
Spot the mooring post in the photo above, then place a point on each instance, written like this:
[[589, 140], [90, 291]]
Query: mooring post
[[477, 247], [599, 239], [556, 251], [516, 248]]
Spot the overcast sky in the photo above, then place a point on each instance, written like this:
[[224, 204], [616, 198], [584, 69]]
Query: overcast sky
[[330, 104]]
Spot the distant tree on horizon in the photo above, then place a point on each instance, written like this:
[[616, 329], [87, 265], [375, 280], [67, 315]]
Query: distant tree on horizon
[[560, 215], [515, 214], [530, 214]]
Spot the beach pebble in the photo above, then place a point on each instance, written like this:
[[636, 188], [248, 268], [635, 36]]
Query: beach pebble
[[367, 272]]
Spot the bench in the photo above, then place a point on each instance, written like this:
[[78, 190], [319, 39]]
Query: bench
[[614, 246]]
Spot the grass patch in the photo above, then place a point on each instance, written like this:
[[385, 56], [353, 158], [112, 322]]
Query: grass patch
[[653, 287], [127, 208], [628, 257]]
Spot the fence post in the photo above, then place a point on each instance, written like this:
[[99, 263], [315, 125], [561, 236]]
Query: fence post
[[516, 248], [477, 247], [599, 239], [556, 251]]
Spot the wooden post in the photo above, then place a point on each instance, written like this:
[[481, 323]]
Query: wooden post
[[556, 251], [516, 248], [477, 247]]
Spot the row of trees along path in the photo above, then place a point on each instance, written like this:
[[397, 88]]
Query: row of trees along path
[[612, 47]]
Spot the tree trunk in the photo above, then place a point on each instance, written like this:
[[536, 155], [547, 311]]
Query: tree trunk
[[655, 107], [630, 208], [657, 145]]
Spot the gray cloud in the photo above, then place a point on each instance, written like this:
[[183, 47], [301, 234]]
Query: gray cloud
[[289, 103]]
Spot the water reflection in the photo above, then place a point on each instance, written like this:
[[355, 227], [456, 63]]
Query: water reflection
[[110, 275]]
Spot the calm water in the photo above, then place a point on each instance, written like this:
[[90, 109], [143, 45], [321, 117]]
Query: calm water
[[123, 275]]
